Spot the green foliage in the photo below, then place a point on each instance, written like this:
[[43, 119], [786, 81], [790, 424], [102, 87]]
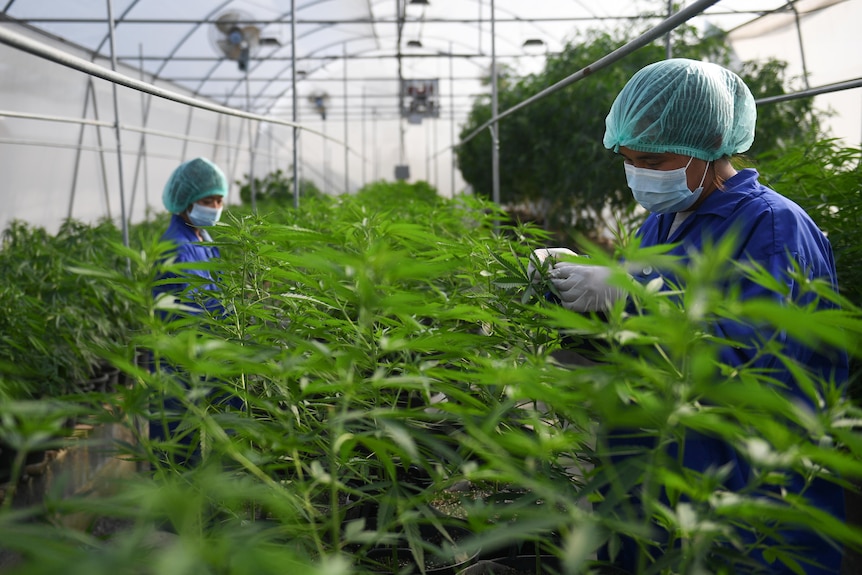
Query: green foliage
[[388, 346], [554, 169], [56, 325], [783, 125], [276, 187], [389, 196], [826, 180], [551, 153]]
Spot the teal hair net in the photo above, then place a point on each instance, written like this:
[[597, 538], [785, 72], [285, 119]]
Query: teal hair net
[[192, 181], [683, 106]]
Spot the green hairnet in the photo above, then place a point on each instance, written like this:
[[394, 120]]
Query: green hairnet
[[192, 181], [683, 106]]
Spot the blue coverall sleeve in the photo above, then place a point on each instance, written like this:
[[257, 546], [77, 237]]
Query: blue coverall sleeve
[[192, 253]]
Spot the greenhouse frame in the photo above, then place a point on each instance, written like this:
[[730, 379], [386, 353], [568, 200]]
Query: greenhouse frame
[[346, 65], [358, 287]]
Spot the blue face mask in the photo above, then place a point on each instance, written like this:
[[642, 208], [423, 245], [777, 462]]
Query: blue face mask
[[201, 216], [663, 192]]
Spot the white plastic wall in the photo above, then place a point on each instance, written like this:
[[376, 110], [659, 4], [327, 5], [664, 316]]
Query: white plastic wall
[[832, 44], [38, 158]]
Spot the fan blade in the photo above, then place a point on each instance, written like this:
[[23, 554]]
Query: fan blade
[[230, 50], [226, 22], [251, 34]]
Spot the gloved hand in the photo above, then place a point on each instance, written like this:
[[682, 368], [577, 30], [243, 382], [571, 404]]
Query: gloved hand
[[584, 288], [537, 261]]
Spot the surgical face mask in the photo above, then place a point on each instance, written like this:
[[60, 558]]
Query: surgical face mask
[[203, 215], [663, 192]]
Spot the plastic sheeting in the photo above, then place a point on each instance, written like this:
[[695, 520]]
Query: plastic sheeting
[[350, 58]]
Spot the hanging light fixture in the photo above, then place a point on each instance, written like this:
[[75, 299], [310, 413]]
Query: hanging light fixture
[[414, 44], [420, 2], [535, 46]]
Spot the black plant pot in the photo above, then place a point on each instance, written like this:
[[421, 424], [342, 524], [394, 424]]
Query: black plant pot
[[528, 565], [519, 549], [400, 560], [97, 383], [113, 375], [516, 565]]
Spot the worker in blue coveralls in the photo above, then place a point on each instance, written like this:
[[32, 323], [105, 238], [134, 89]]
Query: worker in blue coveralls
[[676, 124], [195, 195]]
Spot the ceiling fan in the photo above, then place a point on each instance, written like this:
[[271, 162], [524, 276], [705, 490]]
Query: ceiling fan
[[237, 39], [320, 101]]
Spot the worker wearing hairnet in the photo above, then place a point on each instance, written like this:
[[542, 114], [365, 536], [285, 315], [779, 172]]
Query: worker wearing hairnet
[[676, 123], [195, 195]]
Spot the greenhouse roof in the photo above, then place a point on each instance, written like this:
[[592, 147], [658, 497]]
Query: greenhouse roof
[[369, 44], [393, 61]]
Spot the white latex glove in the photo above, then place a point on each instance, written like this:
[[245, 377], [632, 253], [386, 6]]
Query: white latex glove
[[538, 257], [584, 288]]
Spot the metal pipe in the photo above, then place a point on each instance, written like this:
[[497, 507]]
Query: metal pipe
[[325, 59], [668, 47], [237, 149], [126, 127], [124, 224], [294, 107], [66, 146], [141, 145], [252, 142], [400, 85], [346, 151], [25, 44], [427, 152], [792, 6], [325, 162], [660, 29], [354, 21], [436, 163], [102, 162], [825, 89], [364, 141], [269, 144], [376, 150], [495, 132], [452, 120], [77, 167], [216, 142], [188, 130]]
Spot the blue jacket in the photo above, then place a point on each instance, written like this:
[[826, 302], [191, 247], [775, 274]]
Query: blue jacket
[[771, 231], [189, 249]]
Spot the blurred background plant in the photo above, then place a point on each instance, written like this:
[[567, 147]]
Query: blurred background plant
[[392, 356], [561, 177]]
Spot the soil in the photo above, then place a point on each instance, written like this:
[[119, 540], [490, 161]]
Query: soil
[[451, 501]]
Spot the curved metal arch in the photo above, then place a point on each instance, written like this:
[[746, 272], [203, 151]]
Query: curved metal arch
[[510, 42], [280, 19], [239, 83], [480, 2], [276, 98], [283, 94], [177, 47], [192, 29]]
